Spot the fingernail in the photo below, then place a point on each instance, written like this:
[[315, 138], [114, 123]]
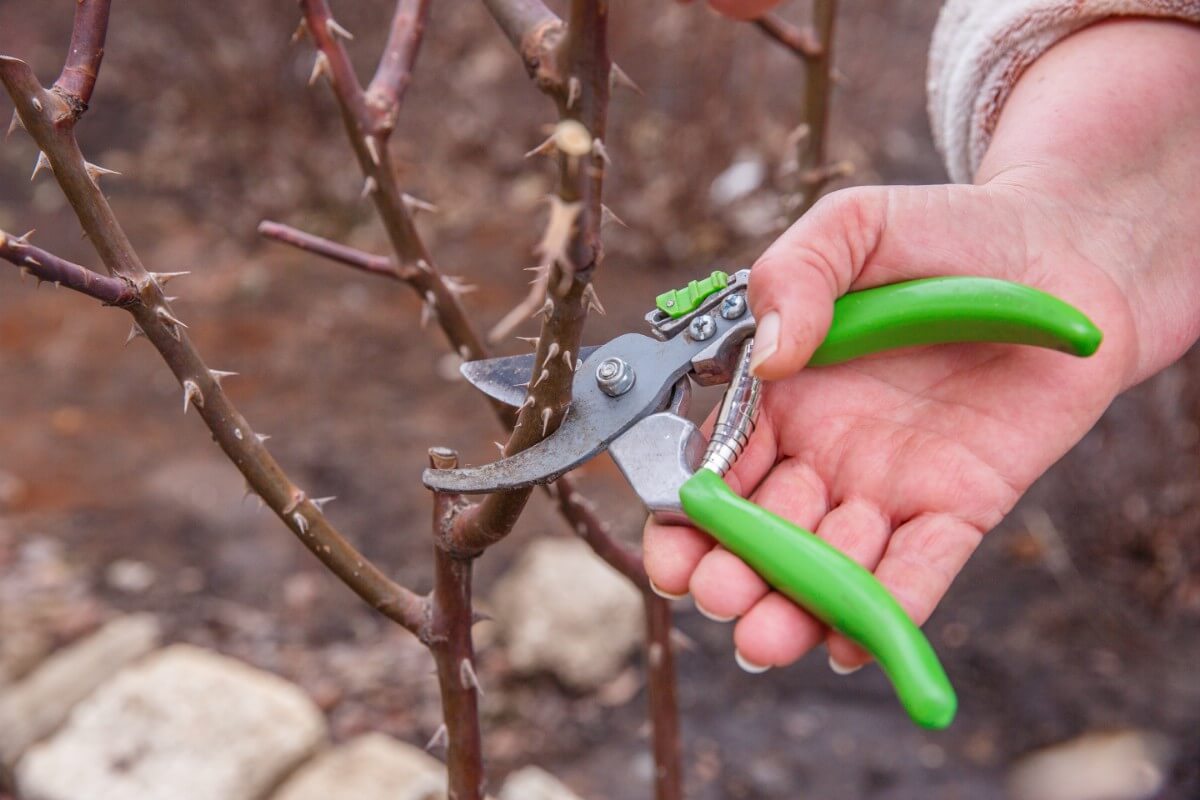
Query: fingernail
[[665, 595], [842, 669], [766, 340], [711, 615], [747, 665]]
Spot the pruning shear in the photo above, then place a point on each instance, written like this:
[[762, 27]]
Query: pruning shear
[[630, 396]]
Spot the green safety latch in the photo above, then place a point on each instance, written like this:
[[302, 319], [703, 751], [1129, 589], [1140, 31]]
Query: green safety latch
[[681, 302]]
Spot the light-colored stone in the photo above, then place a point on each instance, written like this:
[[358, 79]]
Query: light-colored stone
[[370, 767], [1112, 765], [565, 611], [534, 783], [32, 708], [182, 724]]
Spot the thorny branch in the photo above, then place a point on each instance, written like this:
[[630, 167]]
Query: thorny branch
[[449, 639], [49, 117], [583, 108], [813, 44], [86, 51], [47, 267], [369, 122]]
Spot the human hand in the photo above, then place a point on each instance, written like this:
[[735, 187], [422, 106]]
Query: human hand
[[905, 460]]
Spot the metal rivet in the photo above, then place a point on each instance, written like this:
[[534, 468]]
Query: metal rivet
[[733, 306], [702, 327], [615, 377]]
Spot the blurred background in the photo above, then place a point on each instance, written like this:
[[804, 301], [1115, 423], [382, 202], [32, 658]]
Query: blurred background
[[1080, 616]]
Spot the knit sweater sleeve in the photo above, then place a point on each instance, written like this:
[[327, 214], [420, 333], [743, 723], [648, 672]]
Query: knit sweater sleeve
[[981, 47]]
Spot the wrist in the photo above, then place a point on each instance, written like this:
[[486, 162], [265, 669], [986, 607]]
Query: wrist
[[1103, 127]]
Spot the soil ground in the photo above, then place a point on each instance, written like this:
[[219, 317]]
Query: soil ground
[[1081, 612]]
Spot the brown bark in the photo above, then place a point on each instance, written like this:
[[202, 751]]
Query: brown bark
[[78, 78], [449, 639]]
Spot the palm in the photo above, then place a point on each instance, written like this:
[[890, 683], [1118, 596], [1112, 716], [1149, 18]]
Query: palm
[[904, 460]]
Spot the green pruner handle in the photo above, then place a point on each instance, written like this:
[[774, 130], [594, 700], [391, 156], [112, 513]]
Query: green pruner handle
[[833, 588], [814, 574], [953, 309]]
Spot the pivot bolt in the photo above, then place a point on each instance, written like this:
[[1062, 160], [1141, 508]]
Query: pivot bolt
[[615, 377], [702, 327], [733, 306]]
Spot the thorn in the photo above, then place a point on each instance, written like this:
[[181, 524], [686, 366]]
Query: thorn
[[301, 31], [320, 67], [166, 317], [439, 739], [528, 402], [372, 149], [428, 308], [543, 149], [335, 29], [43, 162], [414, 204], [321, 502], [574, 89], [546, 414], [163, 278], [423, 265], [545, 374], [467, 676], [599, 149], [530, 340], [500, 447], [578, 364], [370, 185], [457, 287], [191, 394], [262, 437], [134, 332], [14, 124], [618, 77], [546, 310], [31, 260], [566, 357], [607, 216], [37, 104], [96, 172], [218, 374], [551, 352], [592, 300], [300, 522], [24, 237], [170, 298]]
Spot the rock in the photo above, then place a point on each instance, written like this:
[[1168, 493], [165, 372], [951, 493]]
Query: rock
[[1116, 765], [182, 723], [563, 610], [129, 576], [32, 708], [534, 783], [370, 767]]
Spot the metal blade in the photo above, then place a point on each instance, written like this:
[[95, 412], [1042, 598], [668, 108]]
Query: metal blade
[[594, 420], [505, 378]]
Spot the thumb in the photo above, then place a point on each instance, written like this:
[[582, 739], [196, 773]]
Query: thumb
[[794, 283]]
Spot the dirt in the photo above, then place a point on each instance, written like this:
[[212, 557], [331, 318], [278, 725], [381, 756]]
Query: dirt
[[1081, 612]]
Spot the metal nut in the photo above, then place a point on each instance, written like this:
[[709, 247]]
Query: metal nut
[[702, 327], [615, 377], [733, 306]]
